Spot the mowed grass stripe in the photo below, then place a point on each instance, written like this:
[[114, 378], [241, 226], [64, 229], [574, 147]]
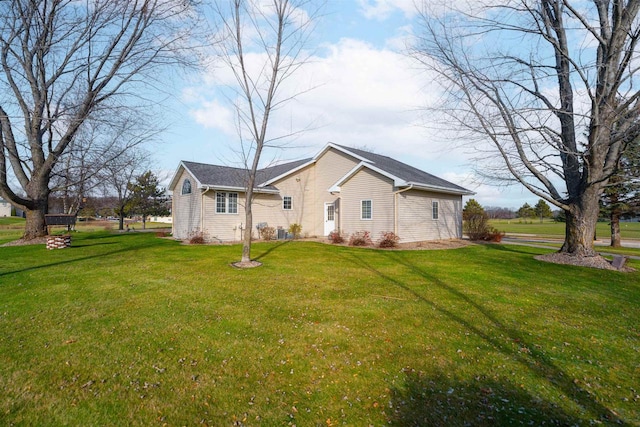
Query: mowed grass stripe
[[133, 329]]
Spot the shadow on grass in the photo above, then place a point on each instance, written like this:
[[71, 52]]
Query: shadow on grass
[[271, 249], [518, 249], [147, 244], [531, 359], [440, 400]]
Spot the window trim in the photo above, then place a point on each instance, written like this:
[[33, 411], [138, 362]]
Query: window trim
[[435, 210], [370, 209], [186, 183], [225, 197], [284, 203]]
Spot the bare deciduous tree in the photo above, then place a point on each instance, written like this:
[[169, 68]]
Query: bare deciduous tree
[[102, 153], [551, 85], [67, 62], [118, 176], [262, 43]]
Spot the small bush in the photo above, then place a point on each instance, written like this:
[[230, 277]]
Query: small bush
[[494, 235], [476, 226], [360, 238], [335, 237], [296, 230], [388, 239], [197, 238], [267, 233]]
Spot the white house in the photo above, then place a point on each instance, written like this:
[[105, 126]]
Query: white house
[[340, 188], [5, 208]]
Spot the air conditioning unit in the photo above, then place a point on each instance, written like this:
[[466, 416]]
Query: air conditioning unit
[[282, 234]]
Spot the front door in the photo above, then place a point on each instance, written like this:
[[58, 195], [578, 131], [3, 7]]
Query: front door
[[329, 218]]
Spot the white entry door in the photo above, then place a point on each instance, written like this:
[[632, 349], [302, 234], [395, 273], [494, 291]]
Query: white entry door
[[329, 218]]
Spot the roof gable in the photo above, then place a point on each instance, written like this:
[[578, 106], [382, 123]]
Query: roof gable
[[398, 182], [409, 174]]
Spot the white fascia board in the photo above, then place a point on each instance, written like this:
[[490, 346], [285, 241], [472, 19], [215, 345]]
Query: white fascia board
[[176, 175], [294, 170], [438, 189], [396, 181], [342, 150]]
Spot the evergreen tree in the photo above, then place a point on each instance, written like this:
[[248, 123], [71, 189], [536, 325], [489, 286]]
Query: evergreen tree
[[147, 197], [526, 211], [621, 196], [542, 210], [475, 220]]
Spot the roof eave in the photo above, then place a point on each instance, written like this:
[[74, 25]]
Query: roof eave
[[439, 189], [397, 182], [176, 176], [342, 150], [283, 175], [209, 187]]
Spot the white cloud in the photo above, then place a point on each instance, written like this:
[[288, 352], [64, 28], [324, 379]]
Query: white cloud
[[365, 97], [213, 114], [381, 9]]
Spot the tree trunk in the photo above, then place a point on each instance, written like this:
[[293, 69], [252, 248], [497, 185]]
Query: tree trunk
[[120, 220], [580, 227], [246, 241], [615, 229], [35, 225]]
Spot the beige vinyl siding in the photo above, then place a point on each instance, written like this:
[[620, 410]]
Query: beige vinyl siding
[[300, 187], [367, 185], [266, 208], [222, 226], [186, 209], [415, 222], [329, 168]]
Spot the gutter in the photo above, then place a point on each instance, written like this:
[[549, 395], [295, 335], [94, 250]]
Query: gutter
[[445, 190], [395, 207]]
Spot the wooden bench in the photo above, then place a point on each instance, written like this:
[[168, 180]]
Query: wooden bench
[[60, 219]]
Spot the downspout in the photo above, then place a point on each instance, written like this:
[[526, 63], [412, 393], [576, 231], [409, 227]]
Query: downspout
[[395, 207], [206, 188]]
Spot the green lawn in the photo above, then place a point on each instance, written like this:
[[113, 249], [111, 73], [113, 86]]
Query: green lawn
[[11, 228], [131, 329], [628, 230]]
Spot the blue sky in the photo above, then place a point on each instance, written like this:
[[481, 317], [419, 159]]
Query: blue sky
[[367, 93]]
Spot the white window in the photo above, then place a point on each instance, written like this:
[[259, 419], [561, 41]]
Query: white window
[[186, 187], [226, 202], [232, 203], [331, 212], [366, 209], [434, 210], [287, 203]]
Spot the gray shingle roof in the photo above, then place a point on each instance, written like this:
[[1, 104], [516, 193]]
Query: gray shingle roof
[[214, 175], [404, 171], [269, 173], [225, 176]]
